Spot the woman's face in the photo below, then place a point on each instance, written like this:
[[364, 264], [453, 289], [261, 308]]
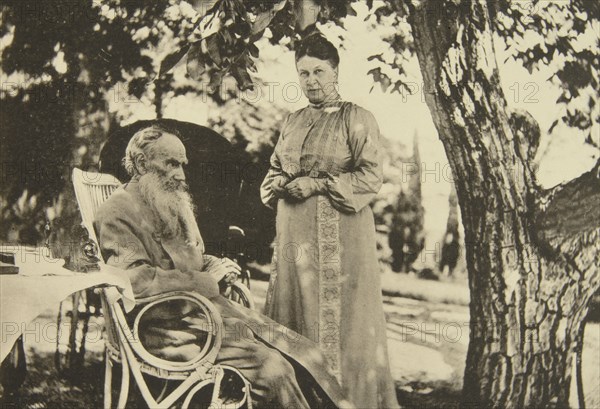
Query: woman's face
[[318, 79]]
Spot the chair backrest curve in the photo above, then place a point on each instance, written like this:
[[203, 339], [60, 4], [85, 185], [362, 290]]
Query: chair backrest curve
[[91, 190]]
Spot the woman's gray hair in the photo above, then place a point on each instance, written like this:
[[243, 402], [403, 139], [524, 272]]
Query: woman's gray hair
[[142, 142]]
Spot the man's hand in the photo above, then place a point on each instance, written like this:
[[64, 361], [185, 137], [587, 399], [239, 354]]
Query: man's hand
[[302, 187], [226, 270], [278, 185]]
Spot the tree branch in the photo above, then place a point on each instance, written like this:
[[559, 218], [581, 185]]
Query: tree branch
[[570, 209]]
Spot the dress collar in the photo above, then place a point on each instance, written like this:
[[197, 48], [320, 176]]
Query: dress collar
[[326, 104]]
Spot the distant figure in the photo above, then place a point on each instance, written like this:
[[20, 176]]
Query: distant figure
[[451, 241], [325, 284], [450, 253], [427, 274]]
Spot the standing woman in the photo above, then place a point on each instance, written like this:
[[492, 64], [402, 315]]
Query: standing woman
[[325, 282]]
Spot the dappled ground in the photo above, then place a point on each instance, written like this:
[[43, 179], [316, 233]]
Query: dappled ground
[[427, 341]]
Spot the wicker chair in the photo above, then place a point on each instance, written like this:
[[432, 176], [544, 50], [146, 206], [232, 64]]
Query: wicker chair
[[199, 378], [91, 190]]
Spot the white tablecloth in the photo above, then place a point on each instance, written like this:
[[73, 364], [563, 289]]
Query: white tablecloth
[[41, 284]]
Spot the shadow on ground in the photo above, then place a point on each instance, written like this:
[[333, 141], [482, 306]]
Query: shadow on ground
[[43, 388]]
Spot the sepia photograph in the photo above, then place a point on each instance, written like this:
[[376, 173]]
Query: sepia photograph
[[300, 204]]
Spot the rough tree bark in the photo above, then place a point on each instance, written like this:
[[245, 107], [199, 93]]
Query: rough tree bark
[[532, 256]]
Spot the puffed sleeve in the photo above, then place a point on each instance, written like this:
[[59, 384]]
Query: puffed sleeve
[[350, 192], [266, 193]]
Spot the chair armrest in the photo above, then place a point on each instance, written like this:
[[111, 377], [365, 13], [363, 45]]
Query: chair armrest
[[239, 293], [172, 295], [130, 335]]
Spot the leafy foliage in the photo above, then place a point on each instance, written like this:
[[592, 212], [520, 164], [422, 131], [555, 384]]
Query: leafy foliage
[[558, 27], [63, 62], [561, 29], [223, 41]]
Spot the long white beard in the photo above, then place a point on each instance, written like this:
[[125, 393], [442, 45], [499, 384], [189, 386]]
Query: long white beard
[[172, 207]]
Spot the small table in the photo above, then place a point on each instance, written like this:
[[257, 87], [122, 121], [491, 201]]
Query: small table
[[41, 284]]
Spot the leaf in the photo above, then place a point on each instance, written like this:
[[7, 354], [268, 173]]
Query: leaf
[[212, 45], [209, 25], [306, 13], [375, 72], [385, 83], [553, 126], [172, 60], [195, 61], [590, 140], [563, 98], [263, 19], [250, 65], [242, 77], [216, 77], [227, 39], [350, 10], [253, 50], [378, 57], [381, 78], [137, 86], [399, 86]]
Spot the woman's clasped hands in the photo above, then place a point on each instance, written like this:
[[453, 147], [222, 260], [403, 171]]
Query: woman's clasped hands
[[300, 188], [279, 184]]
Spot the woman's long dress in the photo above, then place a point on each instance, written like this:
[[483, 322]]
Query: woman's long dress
[[325, 281]]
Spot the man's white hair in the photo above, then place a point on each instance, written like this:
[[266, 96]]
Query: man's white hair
[[143, 142]]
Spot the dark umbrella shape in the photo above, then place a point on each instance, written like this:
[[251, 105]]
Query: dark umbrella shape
[[213, 174]]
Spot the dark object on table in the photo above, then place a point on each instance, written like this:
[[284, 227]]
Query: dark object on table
[[8, 258], [83, 255], [8, 269]]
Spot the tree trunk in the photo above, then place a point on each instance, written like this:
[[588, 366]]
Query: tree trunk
[[531, 256]]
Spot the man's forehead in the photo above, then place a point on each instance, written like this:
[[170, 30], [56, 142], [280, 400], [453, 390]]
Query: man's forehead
[[169, 145]]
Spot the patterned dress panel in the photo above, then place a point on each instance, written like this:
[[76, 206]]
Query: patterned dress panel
[[330, 286]]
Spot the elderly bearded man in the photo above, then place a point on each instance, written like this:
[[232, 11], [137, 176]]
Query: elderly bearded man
[[148, 228]]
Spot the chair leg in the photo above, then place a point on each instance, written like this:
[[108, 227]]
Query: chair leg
[[124, 393], [107, 382], [193, 391]]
